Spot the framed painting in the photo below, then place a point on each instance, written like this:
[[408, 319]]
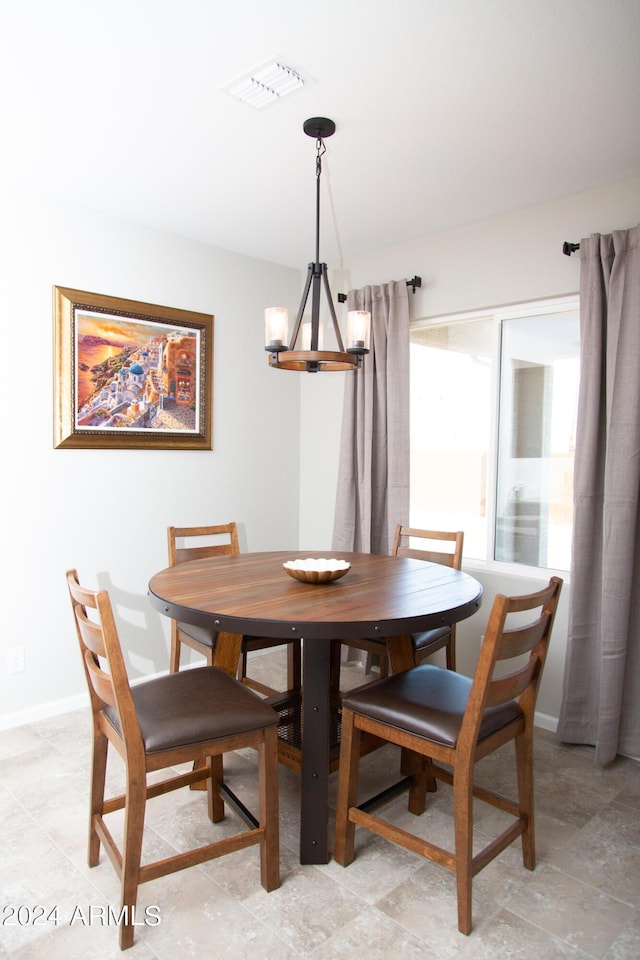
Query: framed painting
[[129, 374]]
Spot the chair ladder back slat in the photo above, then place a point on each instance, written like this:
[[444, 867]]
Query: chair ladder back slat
[[511, 686], [183, 554], [179, 554], [81, 601], [101, 681], [95, 650], [546, 598], [516, 641], [78, 593], [90, 631], [433, 556], [402, 546], [120, 678]]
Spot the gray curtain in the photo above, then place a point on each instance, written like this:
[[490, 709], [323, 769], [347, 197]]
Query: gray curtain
[[373, 474], [601, 696]]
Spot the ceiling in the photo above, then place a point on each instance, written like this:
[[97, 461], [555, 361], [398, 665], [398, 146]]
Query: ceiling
[[447, 112]]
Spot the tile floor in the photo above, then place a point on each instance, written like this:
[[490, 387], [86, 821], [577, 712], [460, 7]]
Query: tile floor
[[582, 901]]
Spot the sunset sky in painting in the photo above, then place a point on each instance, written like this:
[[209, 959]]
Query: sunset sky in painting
[[119, 329]]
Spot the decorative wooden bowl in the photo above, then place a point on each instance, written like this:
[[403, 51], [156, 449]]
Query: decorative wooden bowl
[[316, 570]]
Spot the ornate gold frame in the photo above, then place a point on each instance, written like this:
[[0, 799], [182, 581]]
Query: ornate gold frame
[[151, 389]]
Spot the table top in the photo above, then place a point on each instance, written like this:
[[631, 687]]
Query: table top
[[251, 594]]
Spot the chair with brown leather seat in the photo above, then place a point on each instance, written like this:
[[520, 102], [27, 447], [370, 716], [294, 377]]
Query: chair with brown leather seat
[[436, 546], [197, 543], [182, 717], [440, 717]]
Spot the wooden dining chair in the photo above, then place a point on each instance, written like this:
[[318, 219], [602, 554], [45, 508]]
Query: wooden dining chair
[[436, 546], [440, 717], [197, 543], [180, 717]]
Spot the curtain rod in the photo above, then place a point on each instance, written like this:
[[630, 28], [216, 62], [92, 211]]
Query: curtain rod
[[569, 248], [413, 283]]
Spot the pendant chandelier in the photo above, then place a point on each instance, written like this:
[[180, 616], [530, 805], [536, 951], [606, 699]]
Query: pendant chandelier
[[308, 354]]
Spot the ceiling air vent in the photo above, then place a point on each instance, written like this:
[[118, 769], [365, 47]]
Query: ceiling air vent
[[265, 84]]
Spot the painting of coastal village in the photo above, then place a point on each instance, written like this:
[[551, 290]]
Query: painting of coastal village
[[134, 374]]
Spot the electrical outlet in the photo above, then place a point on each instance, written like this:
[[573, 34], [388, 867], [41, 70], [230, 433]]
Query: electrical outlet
[[15, 659]]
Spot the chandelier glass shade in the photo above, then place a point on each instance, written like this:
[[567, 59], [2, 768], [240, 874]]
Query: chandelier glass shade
[[304, 351]]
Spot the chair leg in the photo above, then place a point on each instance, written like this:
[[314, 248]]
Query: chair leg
[[348, 776], [524, 768], [98, 776], [463, 817], [176, 646], [383, 660], [418, 768], [377, 659], [451, 654], [132, 851], [269, 810], [198, 764], [215, 803], [242, 666]]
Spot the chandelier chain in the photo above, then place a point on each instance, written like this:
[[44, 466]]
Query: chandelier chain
[[320, 152]]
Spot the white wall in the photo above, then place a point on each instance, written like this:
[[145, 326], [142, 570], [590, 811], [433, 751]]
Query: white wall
[[106, 511], [504, 260]]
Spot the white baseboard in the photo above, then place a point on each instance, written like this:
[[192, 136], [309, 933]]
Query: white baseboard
[[55, 708], [43, 711], [545, 722]]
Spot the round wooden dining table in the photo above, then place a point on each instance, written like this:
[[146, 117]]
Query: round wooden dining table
[[380, 597]]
